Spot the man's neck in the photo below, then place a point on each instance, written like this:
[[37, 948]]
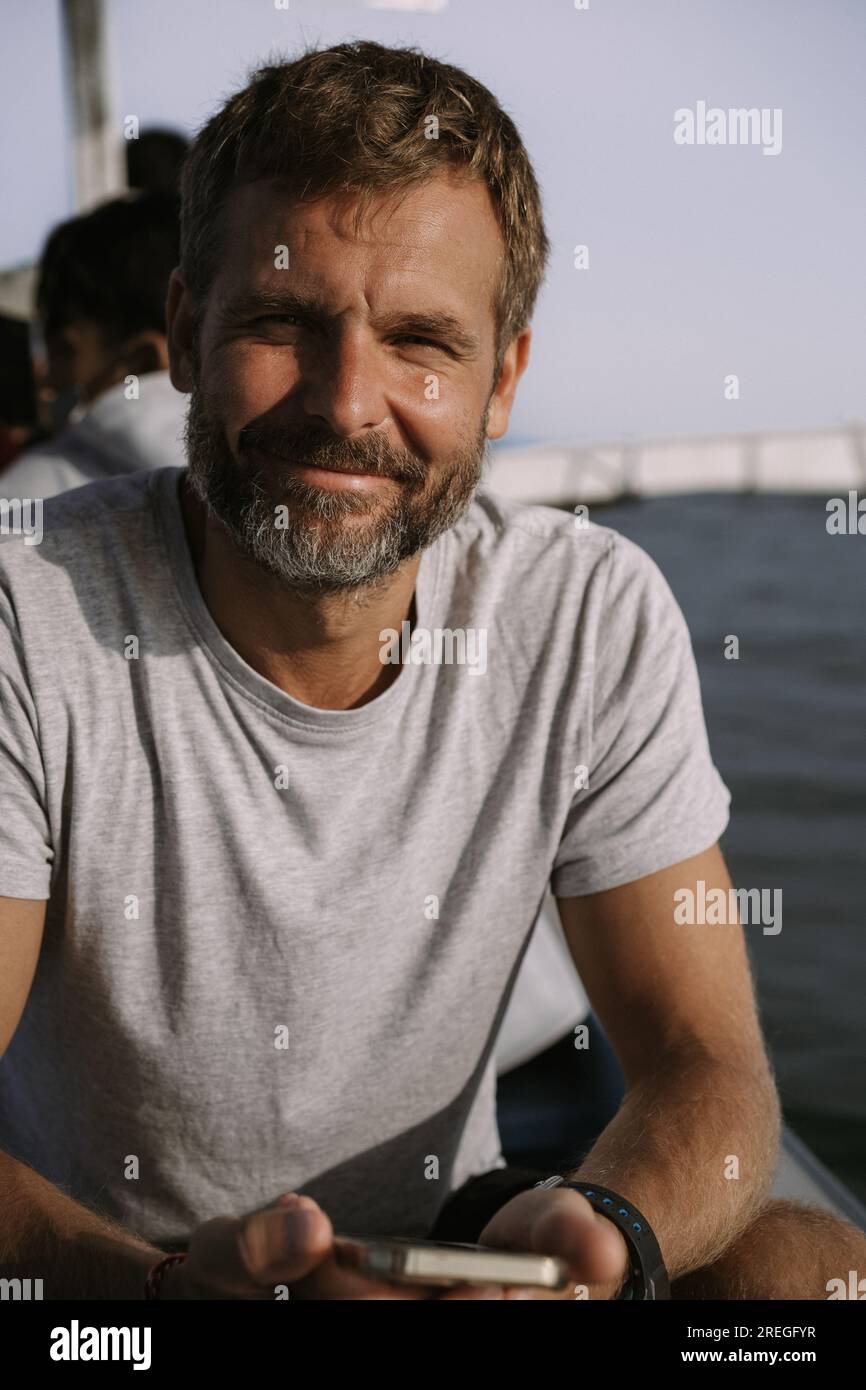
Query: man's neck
[[321, 649]]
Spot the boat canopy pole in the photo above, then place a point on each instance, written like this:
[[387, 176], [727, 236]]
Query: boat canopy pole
[[97, 147]]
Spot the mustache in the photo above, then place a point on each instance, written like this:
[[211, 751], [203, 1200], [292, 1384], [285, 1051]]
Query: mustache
[[321, 449]]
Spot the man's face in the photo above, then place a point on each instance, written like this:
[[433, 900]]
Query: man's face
[[73, 368], [341, 385]]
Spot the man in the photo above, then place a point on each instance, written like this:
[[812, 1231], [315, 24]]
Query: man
[[18, 419], [288, 878], [101, 305], [155, 159]]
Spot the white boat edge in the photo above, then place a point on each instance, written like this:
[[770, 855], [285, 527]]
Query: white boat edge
[[819, 461]]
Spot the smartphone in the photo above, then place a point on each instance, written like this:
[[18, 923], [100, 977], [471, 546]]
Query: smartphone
[[404, 1260]]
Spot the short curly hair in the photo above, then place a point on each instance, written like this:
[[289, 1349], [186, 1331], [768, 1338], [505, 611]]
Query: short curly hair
[[354, 119], [111, 266]]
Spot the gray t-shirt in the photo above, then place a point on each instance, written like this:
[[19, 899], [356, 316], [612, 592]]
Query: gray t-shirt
[[280, 939]]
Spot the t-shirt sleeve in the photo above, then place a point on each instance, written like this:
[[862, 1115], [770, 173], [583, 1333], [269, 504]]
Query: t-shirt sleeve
[[653, 795], [26, 854]]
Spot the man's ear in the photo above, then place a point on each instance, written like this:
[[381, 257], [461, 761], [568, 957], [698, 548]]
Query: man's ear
[[146, 352], [137, 356], [179, 330], [513, 366]]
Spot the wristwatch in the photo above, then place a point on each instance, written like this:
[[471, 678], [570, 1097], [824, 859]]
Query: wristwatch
[[648, 1276]]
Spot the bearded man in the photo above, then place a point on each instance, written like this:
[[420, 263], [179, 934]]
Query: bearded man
[[266, 894]]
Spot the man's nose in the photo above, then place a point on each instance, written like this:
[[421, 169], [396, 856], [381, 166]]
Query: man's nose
[[344, 387]]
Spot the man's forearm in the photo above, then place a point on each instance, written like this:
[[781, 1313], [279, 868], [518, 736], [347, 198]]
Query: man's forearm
[[77, 1254], [694, 1147]]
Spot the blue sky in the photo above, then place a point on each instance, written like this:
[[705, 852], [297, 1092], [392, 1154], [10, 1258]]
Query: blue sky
[[704, 261]]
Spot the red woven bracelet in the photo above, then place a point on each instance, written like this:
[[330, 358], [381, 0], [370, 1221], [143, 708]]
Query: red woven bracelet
[[154, 1278]]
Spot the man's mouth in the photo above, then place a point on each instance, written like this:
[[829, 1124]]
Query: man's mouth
[[331, 477]]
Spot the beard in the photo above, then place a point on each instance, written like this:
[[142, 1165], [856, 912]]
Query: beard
[[310, 539]]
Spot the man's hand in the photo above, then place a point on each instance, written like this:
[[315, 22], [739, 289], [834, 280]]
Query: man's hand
[[290, 1243], [559, 1221]]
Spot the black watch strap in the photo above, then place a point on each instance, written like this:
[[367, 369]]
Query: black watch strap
[[649, 1277], [468, 1209]]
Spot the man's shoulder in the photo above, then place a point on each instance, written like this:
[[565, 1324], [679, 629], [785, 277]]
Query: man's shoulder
[[67, 526], [97, 500], [545, 569], [493, 517], [557, 539]]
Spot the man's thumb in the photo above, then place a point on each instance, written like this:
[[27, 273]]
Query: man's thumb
[[275, 1246], [286, 1242]]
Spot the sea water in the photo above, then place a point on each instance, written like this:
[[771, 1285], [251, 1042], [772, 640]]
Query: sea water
[[787, 724]]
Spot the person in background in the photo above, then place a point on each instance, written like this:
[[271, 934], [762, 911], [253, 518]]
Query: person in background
[[155, 159], [100, 302], [18, 415]]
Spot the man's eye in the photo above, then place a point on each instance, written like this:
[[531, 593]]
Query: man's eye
[[292, 320], [417, 338]]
